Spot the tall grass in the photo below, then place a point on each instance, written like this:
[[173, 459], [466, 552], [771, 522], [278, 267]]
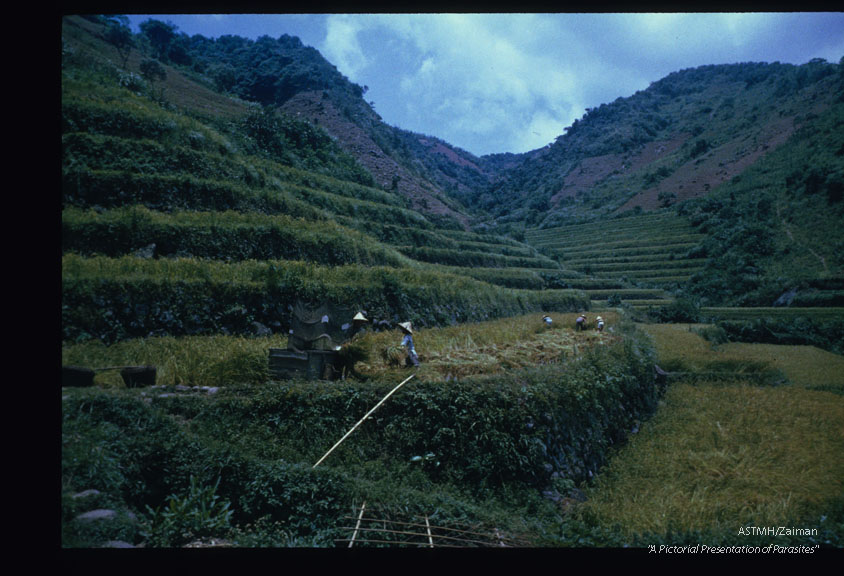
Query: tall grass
[[728, 453], [681, 346], [717, 458], [189, 360]]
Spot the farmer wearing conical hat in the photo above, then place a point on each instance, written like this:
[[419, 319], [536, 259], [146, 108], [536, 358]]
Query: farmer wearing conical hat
[[352, 350], [407, 342], [600, 322], [358, 325], [580, 323]]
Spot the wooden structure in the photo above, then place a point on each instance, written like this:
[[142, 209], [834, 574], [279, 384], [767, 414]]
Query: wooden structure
[[306, 364], [316, 332]]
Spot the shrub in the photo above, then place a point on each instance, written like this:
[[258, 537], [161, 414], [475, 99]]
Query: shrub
[[198, 513]]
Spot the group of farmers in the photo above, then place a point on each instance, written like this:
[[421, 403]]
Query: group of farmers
[[580, 323], [359, 327]]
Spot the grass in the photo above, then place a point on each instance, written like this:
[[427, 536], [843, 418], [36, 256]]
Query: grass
[[717, 458], [742, 313], [804, 366], [457, 351], [189, 360], [725, 454]]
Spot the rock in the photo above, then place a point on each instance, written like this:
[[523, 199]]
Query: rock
[[117, 544], [99, 514], [786, 298], [86, 493], [577, 495], [552, 495], [145, 252], [261, 330]]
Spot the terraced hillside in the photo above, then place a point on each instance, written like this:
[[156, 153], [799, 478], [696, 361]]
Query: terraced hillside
[[635, 258], [177, 223]]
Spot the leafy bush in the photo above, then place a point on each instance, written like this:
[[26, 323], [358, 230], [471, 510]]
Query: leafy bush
[[129, 297], [198, 513], [681, 310], [825, 334]]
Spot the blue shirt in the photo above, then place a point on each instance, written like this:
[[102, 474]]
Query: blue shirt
[[408, 341]]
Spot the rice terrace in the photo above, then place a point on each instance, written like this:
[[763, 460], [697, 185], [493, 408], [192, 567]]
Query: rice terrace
[[286, 323]]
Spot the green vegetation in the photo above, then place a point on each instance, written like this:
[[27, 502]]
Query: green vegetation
[[247, 450], [650, 249], [196, 212], [775, 228], [725, 453], [117, 298]]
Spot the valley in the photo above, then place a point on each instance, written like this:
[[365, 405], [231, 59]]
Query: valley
[[201, 204]]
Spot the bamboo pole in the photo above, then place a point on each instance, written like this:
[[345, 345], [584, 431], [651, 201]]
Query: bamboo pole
[[428, 528], [362, 507], [364, 418]]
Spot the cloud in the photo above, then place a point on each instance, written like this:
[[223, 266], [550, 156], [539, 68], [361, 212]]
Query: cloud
[[341, 46], [483, 80], [513, 82]]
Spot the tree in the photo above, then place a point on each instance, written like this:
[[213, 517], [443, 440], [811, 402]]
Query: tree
[[159, 35], [666, 199], [120, 36], [152, 72]]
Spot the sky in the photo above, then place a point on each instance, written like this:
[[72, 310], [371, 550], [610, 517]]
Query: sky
[[490, 83]]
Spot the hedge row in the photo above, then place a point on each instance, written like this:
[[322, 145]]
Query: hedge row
[[521, 429], [86, 152], [467, 258], [827, 334], [113, 189], [221, 236], [139, 123], [399, 235], [648, 265], [677, 249], [523, 426], [530, 278], [136, 454], [126, 298]]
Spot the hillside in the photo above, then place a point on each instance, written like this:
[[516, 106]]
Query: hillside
[[178, 222], [209, 188], [679, 139]]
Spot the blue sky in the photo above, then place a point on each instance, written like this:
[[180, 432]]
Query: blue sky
[[510, 82]]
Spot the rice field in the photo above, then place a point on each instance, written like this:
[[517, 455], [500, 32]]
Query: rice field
[[649, 248], [725, 454], [448, 352]]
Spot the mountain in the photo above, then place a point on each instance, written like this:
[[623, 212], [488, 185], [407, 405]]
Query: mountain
[[187, 209], [679, 139], [744, 161]]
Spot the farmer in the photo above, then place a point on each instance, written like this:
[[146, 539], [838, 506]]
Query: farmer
[[580, 323], [359, 327], [600, 324], [407, 342], [547, 320], [350, 352]]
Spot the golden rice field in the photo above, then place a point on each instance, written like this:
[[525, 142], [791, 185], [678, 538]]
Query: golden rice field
[[489, 347], [456, 351], [718, 456]]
